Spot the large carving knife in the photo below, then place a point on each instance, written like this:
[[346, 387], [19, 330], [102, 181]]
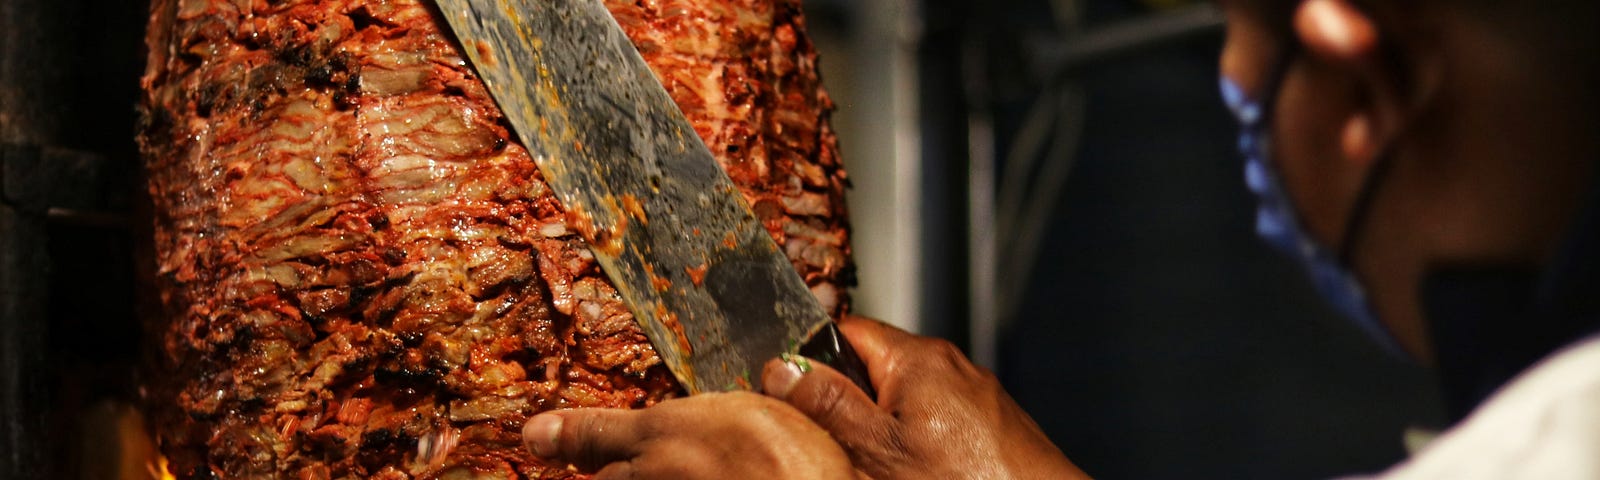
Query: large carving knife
[[702, 276]]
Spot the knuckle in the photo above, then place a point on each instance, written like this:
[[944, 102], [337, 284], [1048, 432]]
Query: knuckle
[[624, 470], [881, 447], [584, 441], [939, 354], [894, 443], [745, 401], [827, 403], [693, 460], [895, 362], [985, 375], [652, 423], [579, 433], [946, 351], [745, 409], [578, 443]]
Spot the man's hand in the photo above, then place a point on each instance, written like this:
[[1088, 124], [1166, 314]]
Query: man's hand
[[937, 414], [713, 435]]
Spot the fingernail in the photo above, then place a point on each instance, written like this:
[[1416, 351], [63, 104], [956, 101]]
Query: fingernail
[[540, 434], [783, 379]]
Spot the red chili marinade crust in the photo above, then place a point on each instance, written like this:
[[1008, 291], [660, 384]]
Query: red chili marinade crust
[[353, 251]]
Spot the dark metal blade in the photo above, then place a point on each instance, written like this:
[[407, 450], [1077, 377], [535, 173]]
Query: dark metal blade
[[703, 277]]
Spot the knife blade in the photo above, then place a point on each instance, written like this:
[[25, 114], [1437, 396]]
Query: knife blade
[[703, 278]]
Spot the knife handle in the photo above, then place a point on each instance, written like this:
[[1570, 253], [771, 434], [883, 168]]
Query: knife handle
[[829, 347]]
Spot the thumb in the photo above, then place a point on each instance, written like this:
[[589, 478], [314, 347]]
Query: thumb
[[589, 438], [834, 402]]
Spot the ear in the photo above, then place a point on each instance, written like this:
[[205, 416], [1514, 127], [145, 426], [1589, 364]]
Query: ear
[[1347, 38]]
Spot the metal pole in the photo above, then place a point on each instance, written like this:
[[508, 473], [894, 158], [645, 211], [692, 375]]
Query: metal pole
[[27, 73], [23, 408], [67, 74]]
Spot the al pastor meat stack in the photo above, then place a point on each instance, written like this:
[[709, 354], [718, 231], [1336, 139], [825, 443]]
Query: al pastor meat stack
[[353, 251]]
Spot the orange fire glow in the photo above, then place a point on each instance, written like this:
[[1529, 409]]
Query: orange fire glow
[[158, 469]]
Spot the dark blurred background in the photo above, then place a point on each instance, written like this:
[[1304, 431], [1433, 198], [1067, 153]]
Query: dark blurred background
[[1049, 183], [68, 335]]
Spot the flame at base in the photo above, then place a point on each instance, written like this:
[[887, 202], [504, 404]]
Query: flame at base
[[158, 469], [116, 445]]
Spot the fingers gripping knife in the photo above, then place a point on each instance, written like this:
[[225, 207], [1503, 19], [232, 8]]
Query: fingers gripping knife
[[703, 278]]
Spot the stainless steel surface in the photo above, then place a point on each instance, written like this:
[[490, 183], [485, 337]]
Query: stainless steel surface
[[704, 279]]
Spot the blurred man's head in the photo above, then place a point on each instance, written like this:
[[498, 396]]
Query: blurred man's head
[[1480, 114]]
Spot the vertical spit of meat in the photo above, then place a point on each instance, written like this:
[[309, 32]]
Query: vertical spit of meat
[[353, 251]]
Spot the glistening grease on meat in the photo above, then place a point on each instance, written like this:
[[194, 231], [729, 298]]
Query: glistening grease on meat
[[353, 251]]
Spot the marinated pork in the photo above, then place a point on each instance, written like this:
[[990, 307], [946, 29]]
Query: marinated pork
[[352, 250]]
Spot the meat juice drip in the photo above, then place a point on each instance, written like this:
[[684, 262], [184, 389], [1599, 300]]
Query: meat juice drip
[[353, 252]]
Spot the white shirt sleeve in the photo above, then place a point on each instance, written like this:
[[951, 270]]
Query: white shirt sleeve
[[1544, 425]]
